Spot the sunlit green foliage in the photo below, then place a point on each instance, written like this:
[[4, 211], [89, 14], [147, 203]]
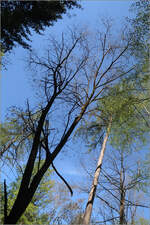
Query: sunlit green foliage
[[124, 102]]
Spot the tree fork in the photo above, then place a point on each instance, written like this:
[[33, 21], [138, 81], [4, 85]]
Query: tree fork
[[24, 198]]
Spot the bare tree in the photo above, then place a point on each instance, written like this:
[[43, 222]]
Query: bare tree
[[118, 192], [75, 72]]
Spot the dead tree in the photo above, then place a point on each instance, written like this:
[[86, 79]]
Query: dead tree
[[75, 72]]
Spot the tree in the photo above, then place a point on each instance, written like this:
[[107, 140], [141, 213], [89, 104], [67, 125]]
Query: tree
[[140, 30], [65, 210], [119, 105], [36, 212], [138, 37], [89, 205], [9, 134], [119, 189], [19, 17], [139, 34], [74, 76]]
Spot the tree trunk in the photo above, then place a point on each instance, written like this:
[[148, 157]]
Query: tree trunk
[[122, 203], [27, 191], [122, 194], [5, 201], [89, 206]]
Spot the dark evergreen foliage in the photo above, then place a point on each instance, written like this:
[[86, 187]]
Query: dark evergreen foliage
[[19, 17]]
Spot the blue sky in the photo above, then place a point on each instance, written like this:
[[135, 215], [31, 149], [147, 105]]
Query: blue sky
[[15, 81], [14, 94]]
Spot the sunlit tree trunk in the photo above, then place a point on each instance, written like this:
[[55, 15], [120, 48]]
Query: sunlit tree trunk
[[89, 206]]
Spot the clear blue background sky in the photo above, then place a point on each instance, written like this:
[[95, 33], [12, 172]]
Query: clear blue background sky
[[15, 82]]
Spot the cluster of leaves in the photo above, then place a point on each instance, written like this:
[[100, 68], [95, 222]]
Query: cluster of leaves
[[17, 133], [125, 103], [140, 26], [10, 133]]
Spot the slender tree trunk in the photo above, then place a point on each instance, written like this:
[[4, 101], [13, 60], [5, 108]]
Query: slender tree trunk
[[5, 201], [89, 206], [122, 194]]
